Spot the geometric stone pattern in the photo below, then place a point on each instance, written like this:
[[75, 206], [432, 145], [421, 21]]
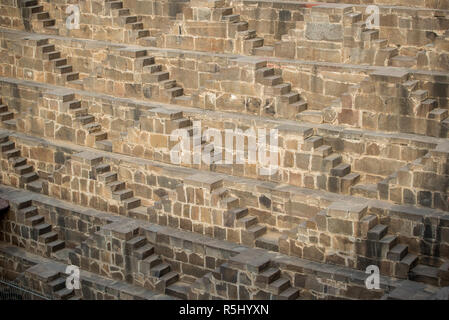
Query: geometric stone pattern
[[86, 123]]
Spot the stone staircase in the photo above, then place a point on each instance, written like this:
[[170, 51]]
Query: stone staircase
[[117, 189], [6, 116], [289, 104], [60, 290], [26, 176], [384, 246], [60, 65], [237, 28], [153, 73], [271, 278], [39, 18], [40, 231], [150, 263], [96, 137], [369, 38], [132, 23]]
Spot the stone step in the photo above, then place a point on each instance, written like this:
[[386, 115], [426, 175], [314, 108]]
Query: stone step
[[139, 213], [92, 127], [102, 168], [78, 112], [55, 245], [107, 177], [28, 177], [116, 185], [167, 84], [128, 18], [57, 284], [170, 278], [99, 135], [160, 269], [175, 92], [131, 203], [257, 230], [229, 203], [13, 153], [438, 114], [255, 42], [238, 213], [60, 62], [41, 15], [398, 252], [3, 108], [104, 145], [35, 186], [142, 33], [144, 251], [425, 274], [10, 124], [35, 220], [269, 241], [341, 170], [63, 69], [271, 80], [8, 115], [52, 55], [48, 22], [246, 222], [178, 290], [134, 26], [269, 275], [378, 232], [231, 18], [279, 285], [153, 260], [42, 228], [6, 146], [64, 294], [86, 119], [157, 76], [48, 237], [71, 76], [122, 194], [289, 294], [323, 151], [290, 97], [35, 9], [135, 243], [48, 48], [29, 212]]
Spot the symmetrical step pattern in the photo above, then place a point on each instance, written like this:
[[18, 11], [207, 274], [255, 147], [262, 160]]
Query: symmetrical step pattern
[[387, 55], [133, 23], [28, 178], [384, 246], [240, 29], [153, 73], [87, 122], [278, 285], [60, 290], [152, 264], [60, 64], [40, 230], [117, 189], [34, 11], [289, 104]]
